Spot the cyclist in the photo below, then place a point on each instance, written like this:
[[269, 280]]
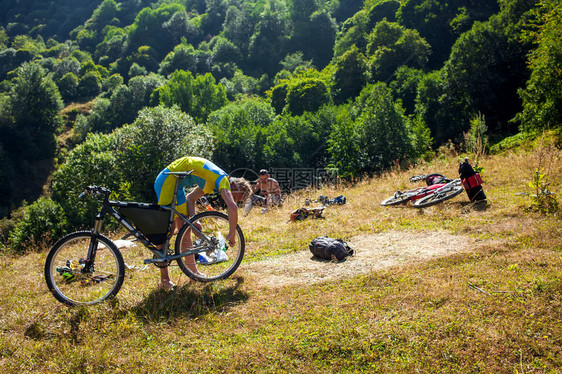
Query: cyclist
[[208, 178]]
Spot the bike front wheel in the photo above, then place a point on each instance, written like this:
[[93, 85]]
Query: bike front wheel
[[398, 198], [84, 268], [438, 197], [218, 262]]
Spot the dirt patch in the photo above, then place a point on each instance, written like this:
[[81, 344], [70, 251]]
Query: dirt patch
[[372, 252]]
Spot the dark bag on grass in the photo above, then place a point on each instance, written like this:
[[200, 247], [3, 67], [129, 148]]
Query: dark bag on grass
[[330, 249], [471, 182]]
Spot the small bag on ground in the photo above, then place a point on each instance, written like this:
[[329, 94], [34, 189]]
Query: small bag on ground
[[303, 213], [330, 249]]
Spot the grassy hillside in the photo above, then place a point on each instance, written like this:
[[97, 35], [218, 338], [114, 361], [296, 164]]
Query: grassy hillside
[[495, 306]]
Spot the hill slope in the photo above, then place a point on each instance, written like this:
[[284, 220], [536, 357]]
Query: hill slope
[[491, 301]]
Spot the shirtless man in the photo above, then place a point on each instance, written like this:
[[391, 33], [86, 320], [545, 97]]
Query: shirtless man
[[268, 188]]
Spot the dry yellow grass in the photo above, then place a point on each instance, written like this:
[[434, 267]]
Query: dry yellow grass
[[494, 308]]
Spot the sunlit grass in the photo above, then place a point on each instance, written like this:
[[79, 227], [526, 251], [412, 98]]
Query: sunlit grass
[[495, 308]]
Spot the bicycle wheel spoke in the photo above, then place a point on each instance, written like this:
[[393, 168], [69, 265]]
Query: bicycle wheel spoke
[[221, 259], [68, 277]]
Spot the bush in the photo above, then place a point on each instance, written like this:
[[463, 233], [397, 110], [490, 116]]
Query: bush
[[43, 221]]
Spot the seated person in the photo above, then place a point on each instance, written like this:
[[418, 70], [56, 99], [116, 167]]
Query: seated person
[[268, 188]]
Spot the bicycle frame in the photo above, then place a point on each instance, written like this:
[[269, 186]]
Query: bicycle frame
[[160, 255]]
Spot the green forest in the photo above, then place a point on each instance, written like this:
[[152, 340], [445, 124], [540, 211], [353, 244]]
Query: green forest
[[108, 93]]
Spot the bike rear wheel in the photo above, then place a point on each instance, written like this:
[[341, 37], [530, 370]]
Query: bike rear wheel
[[438, 197], [214, 264], [75, 277], [398, 198]]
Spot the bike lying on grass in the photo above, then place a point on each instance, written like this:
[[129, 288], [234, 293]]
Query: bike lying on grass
[[439, 189], [86, 267]]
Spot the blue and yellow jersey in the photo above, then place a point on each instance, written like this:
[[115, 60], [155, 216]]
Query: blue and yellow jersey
[[208, 176]]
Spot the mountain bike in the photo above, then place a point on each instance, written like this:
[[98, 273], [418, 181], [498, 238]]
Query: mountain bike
[[443, 193], [86, 267], [421, 196]]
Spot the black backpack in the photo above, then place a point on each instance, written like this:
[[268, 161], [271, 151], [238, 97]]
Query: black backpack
[[330, 249]]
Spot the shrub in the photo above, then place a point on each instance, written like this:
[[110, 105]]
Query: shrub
[[43, 221]]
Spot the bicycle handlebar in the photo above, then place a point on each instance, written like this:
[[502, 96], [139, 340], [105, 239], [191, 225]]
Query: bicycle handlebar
[[95, 190]]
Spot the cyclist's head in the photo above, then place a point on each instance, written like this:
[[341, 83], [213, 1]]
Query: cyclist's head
[[264, 174]]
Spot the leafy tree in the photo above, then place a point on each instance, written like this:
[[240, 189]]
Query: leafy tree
[[278, 96], [111, 83], [92, 162], [306, 95], [179, 27], [343, 145], [405, 86], [89, 85], [438, 22], [354, 32], [346, 9], [542, 96], [195, 96], [136, 70], [68, 87], [35, 100], [320, 38], [65, 66], [390, 46], [4, 39], [295, 60], [224, 51], [240, 85], [149, 29], [157, 137], [483, 73], [350, 75], [382, 129], [383, 10], [239, 130], [181, 58], [235, 28], [270, 40]]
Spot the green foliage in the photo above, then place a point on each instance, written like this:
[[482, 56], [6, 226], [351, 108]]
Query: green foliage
[[354, 32], [542, 96], [476, 140], [183, 57], [306, 95], [152, 27], [270, 41], [89, 85], [378, 134], [439, 22], [93, 162], [157, 137], [382, 129], [383, 10], [343, 145], [195, 96], [239, 132], [35, 100], [42, 221], [350, 75], [542, 199], [391, 46], [405, 86], [68, 86]]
